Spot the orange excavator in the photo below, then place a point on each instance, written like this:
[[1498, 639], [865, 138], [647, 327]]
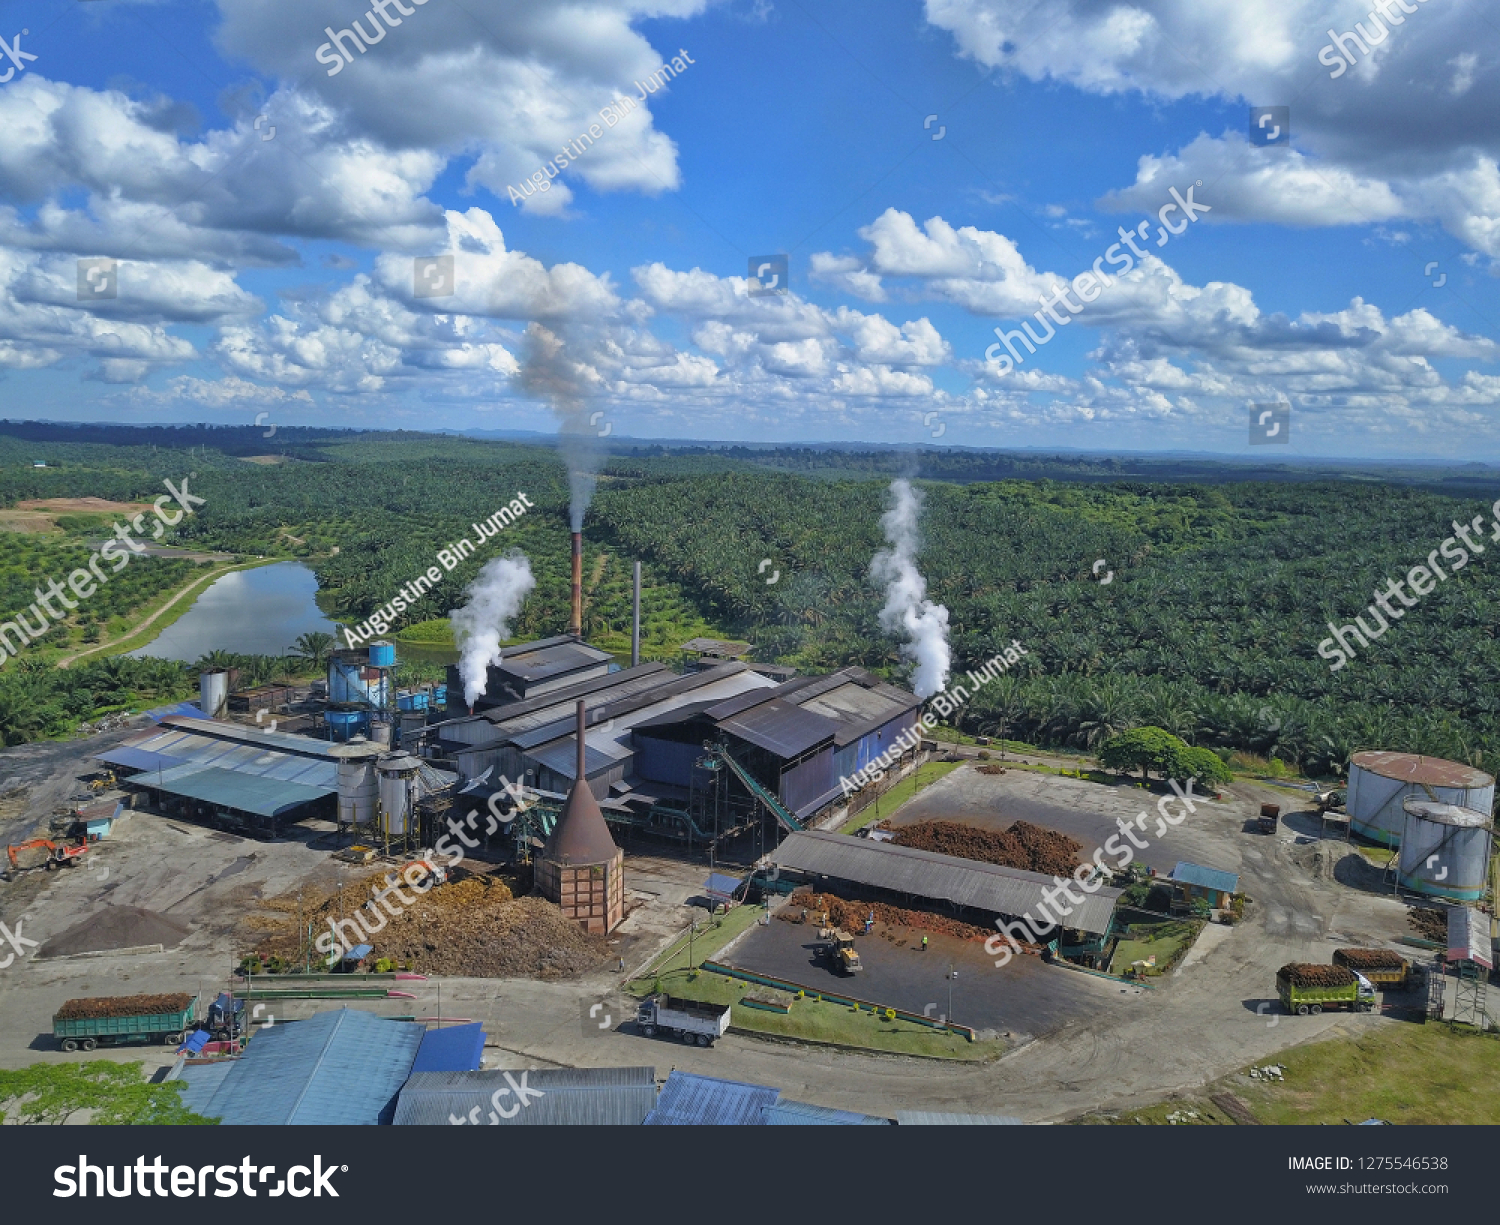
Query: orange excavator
[[44, 853]]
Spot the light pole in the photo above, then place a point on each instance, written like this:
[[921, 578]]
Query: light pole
[[952, 974], [692, 931]]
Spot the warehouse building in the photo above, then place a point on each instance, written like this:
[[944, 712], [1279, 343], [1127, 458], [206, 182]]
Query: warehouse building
[[547, 1097], [907, 873]]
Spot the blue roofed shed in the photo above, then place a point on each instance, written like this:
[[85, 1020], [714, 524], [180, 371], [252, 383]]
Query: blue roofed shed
[[687, 1100], [459, 1048], [1212, 885], [340, 1068], [804, 1114]]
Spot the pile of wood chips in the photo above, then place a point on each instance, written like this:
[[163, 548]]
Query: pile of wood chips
[[850, 914], [473, 927], [1025, 846], [1428, 923]]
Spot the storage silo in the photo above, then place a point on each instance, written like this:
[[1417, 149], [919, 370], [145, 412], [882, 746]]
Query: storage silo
[[1379, 783], [213, 693], [399, 791], [358, 787], [1445, 850]]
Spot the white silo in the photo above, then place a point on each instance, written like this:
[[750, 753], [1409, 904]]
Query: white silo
[[1380, 783], [213, 693], [1445, 851], [358, 786]]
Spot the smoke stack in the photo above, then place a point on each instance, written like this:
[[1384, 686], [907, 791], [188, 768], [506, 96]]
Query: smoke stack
[[635, 620], [575, 626], [582, 769]]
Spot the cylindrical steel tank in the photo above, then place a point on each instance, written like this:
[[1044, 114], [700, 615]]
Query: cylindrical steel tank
[[1379, 783], [358, 791], [213, 693], [380, 733], [412, 723], [1445, 850], [382, 655], [399, 790]]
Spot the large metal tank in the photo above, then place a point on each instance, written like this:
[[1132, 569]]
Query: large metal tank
[[352, 680], [382, 655], [358, 791], [1445, 850], [213, 693], [399, 790], [1380, 783]]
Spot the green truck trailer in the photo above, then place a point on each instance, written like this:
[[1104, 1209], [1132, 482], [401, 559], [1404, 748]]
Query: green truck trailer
[[1305, 989], [114, 1020]]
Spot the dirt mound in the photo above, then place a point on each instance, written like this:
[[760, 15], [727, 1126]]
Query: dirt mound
[[1025, 846], [1428, 923], [850, 914], [474, 927], [1301, 974], [117, 927], [122, 1006], [988, 769]]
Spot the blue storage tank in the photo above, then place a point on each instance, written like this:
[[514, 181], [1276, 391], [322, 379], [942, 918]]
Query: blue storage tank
[[382, 655], [411, 701], [440, 695], [346, 723]]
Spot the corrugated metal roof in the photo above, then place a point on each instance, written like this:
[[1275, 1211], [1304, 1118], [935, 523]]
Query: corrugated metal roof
[[201, 1081], [185, 710], [458, 1048], [137, 759], [966, 882], [570, 1097], [1205, 878], [780, 727], [719, 885], [286, 742], [169, 747], [266, 797], [1469, 936], [803, 1114], [338, 1068], [1413, 768], [687, 1100], [536, 662], [938, 1118], [561, 757]]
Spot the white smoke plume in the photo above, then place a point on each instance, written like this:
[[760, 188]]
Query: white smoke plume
[[495, 597], [907, 609], [558, 370]]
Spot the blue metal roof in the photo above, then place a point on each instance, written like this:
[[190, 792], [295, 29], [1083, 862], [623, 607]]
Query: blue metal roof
[[1205, 878], [184, 710], [202, 1081], [339, 1068], [719, 885], [804, 1114], [459, 1048], [687, 1100], [266, 797]]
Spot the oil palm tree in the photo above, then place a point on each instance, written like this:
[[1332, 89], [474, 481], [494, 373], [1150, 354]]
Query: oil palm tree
[[315, 647]]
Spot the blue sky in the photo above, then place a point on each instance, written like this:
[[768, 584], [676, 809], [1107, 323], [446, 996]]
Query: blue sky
[[276, 275]]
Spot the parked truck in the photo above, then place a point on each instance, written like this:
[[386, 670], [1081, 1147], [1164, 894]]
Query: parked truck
[[113, 1020], [1305, 989], [689, 1020], [1387, 970], [1270, 814]]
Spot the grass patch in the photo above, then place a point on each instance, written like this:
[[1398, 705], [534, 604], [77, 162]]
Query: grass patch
[[1380, 856], [886, 804], [711, 937], [1167, 941], [1401, 1073], [815, 1020]]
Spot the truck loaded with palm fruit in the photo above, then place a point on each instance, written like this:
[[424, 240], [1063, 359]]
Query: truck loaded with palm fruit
[[1387, 970], [1304, 988], [113, 1020]]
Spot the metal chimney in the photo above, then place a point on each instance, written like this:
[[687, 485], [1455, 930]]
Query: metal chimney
[[582, 768], [635, 620], [575, 625]]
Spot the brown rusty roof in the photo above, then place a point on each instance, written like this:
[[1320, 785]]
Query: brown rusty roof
[[1413, 768], [1447, 814]]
